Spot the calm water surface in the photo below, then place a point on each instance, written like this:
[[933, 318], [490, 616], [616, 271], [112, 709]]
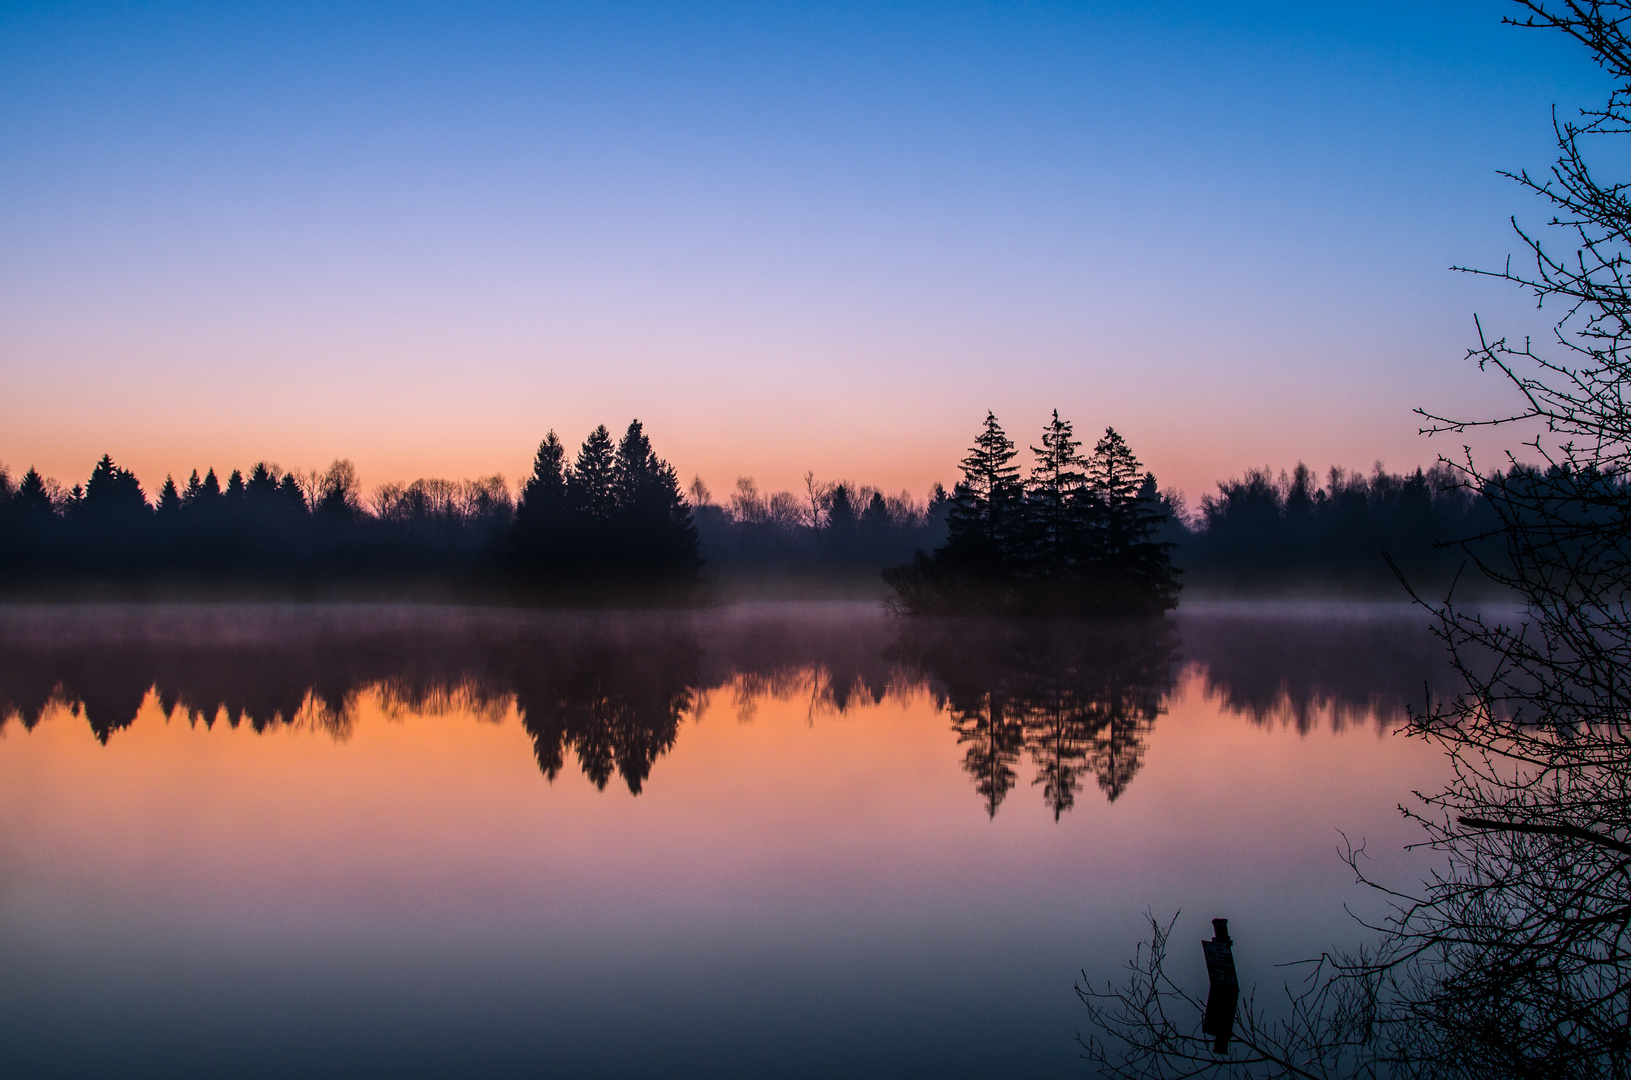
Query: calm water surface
[[781, 840]]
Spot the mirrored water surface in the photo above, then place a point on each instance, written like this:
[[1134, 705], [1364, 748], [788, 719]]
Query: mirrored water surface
[[790, 839]]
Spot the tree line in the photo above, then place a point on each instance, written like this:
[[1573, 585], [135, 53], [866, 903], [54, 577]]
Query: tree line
[[613, 514], [1078, 532], [1356, 532]]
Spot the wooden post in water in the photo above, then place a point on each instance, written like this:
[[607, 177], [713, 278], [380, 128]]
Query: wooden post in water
[[1223, 994]]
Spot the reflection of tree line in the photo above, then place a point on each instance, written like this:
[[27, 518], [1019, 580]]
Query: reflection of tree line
[[1077, 699], [1352, 667]]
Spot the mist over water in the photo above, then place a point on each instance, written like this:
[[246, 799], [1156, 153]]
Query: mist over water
[[777, 838]]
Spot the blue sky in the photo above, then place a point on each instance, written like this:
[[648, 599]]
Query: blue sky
[[787, 237]]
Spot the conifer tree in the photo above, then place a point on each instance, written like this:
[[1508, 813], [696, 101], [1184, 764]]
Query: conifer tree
[[1054, 508], [634, 472], [652, 519], [290, 497], [112, 490], [202, 499], [875, 518], [169, 497], [262, 484], [985, 509], [32, 497], [540, 515], [680, 554], [1125, 556], [589, 486]]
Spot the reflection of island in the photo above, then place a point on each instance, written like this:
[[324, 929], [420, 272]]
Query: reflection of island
[[611, 692], [1078, 696]]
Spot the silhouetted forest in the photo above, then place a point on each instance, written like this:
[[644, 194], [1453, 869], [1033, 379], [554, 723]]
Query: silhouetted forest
[[1261, 533], [1080, 533], [609, 695], [614, 516]]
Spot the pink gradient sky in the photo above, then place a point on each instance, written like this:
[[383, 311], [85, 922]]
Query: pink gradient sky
[[785, 240]]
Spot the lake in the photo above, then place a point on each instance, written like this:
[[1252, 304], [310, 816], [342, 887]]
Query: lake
[[777, 839]]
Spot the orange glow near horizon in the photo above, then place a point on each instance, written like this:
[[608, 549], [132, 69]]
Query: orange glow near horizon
[[426, 808], [775, 459]]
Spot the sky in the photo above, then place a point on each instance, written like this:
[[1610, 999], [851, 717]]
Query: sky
[[786, 237]]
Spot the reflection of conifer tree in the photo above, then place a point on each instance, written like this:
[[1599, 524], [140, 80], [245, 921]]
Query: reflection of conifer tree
[[1126, 703], [615, 703], [995, 739], [27, 686], [1058, 736], [110, 694]]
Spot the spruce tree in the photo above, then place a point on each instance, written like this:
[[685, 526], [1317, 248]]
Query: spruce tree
[[540, 515], [169, 498], [113, 491], [290, 498], [1054, 507], [589, 486], [1132, 569], [984, 514], [32, 497], [841, 520], [212, 486], [634, 473], [655, 535], [261, 486]]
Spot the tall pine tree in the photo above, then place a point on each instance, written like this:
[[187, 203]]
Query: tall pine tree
[[541, 514], [1130, 566], [1054, 510], [984, 517]]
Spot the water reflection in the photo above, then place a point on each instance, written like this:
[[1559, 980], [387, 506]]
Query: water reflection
[[1077, 696], [1062, 700]]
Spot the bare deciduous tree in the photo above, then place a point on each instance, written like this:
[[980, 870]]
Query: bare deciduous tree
[[1514, 958]]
